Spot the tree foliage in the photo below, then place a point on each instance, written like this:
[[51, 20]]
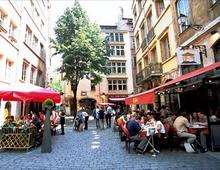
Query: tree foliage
[[81, 45]]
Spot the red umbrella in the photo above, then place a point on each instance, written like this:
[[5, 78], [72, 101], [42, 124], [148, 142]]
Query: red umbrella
[[28, 92]]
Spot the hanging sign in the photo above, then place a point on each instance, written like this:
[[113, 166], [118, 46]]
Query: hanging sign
[[188, 56]]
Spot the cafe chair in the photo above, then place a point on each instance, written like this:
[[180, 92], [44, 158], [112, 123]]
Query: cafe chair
[[128, 139]]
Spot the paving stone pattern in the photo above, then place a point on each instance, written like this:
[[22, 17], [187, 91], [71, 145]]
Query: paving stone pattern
[[101, 149]]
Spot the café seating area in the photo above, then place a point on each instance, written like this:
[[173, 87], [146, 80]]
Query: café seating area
[[158, 132]]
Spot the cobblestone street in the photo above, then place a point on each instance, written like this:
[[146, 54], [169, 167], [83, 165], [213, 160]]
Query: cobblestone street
[[95, 149]]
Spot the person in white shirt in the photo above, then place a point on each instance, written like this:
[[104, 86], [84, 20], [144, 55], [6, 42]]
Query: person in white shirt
[[181, 124]]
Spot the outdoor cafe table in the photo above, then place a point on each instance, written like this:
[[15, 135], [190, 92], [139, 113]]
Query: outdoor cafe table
[[148, 132], [196, 129]]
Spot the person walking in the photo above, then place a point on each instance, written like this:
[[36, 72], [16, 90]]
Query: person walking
[[80, 119], [101, 117], [86, 115], [96, 116], [62, 121], [108, 116]]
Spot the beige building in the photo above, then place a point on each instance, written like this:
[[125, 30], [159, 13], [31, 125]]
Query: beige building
[[24, 44], [155, 43], [119, 83], [177, 49]]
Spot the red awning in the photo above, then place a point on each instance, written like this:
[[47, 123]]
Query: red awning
[[149, 96], [191, 74], [141, 98]]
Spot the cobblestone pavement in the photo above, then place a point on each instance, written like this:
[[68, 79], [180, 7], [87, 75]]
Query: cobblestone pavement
[[101, 149]]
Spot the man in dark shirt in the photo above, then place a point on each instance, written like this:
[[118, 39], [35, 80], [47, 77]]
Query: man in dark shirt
[[133, 127]]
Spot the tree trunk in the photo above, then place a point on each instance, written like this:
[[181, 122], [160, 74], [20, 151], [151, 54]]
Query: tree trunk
[[73, 103]]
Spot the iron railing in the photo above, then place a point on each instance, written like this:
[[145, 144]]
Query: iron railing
[[153, 69]]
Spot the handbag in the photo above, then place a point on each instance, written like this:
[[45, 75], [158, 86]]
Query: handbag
[[189, 147]]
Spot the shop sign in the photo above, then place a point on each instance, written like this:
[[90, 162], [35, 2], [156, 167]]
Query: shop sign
[[188, 56]]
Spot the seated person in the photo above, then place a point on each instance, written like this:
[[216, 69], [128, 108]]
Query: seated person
[[181, 124], [28, 118], [202, 119], [151, 121], [193, 118], [42, 117], [134, 128]]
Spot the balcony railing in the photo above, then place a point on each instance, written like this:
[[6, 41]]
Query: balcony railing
[[139, 77], [151, 70], [43, 54]]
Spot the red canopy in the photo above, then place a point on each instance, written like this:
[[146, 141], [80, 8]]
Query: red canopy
[[28, 92], [191, 74], [141, 98], [149, 96]]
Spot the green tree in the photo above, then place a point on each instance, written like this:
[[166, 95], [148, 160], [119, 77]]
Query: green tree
[[56, 85], [82, 47]]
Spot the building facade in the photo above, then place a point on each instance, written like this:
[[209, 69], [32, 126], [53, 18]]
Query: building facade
[[174, 38], [118, 84], [24, 45], [155, 43]]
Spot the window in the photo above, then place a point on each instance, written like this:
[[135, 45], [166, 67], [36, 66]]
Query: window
[[42, 24], [28, 36], [35, 42], [182, 7], [8, 71], [143, 32], [146, 62], [12, 29], [117, 50], [121, 37], [117, 67], [39, 79], [137, 41], [33, 75], [24, 71], [165, 48], [3, 17], [153, 56], [135, 14], [112, 52], [132, 41], [42, 52], [140, 67], [112, 38], [139, 6], [116, 37], [149, 21], [159, 4], [117, 85]]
